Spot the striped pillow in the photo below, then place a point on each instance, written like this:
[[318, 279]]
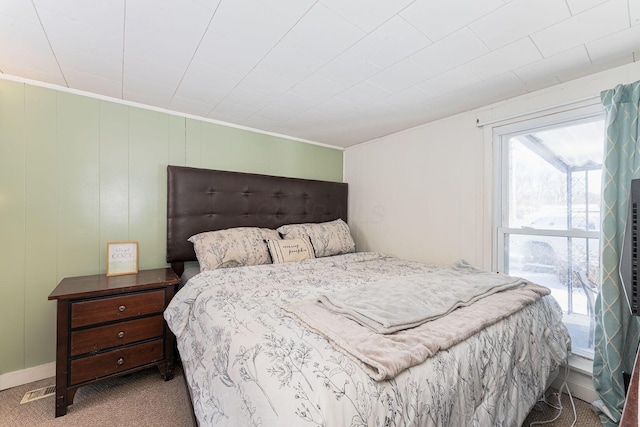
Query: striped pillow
[[290, 250]]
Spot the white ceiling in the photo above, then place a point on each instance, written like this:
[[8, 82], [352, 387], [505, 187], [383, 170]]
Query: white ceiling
[[338, 72]]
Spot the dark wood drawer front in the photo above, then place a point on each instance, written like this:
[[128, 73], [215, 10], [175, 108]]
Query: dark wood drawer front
[[114, 308], [121, 333], [111, 362]]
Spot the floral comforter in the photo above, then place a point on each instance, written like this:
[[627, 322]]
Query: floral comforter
[[249, 363]]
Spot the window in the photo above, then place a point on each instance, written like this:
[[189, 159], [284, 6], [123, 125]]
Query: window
[[548, 184]]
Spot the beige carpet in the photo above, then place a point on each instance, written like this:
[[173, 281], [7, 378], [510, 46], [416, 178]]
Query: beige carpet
[[144, 399], [138, 399], [542, 412]]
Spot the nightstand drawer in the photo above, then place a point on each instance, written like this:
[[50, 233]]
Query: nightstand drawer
[[111, 326], [102, 310], [111, 362], [121, 333]]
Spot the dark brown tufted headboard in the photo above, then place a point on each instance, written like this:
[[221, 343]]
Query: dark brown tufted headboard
[[201, 200]]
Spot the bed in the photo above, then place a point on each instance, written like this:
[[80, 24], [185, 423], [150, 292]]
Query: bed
[[252, 355]]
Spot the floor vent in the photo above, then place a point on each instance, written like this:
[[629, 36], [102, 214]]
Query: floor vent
[[39, 393]]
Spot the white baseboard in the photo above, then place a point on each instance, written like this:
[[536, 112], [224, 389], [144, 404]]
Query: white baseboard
[[25, 376], [580, 379]]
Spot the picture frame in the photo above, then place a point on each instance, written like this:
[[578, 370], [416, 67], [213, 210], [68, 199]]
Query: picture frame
[[122, 258]]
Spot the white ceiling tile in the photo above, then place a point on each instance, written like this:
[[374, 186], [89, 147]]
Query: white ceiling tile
[[401, 75], [31, 58], [612, 63], [348, 69], [396, 123], [600, 21], [317, 119], [518, 19], [291, 62], [77, 35], [337, 109], [195, 90], [317, 88], [263, 123], [146, 92], [579, 6], [392, 41], [485, 92], [450, 81], [163, 74], [201, 74], [19, 9], [34, 73], [95, 63], [276, 114], [367, 14], [103, 14], [32, 39], [437, 18], [379, 109], [325, 70], [233, 113], [148, 43], [364, 93], [293, 102], [84, 48], [94, 83], [190, 106], [247, 98], [210, 4], [323, 33], [298, 126], [514, 55], [293, 9], [200, 94], [265, 82], [450, 52], [616, 45], [238, 56], [410, 96], [250, 23], [565, 65], [160, 16], [634, 12]]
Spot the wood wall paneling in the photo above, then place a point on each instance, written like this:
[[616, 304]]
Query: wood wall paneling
[[41, 217], [12, 226], [77, 172]]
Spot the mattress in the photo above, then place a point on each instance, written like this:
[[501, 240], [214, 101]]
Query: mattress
[[249, 362]]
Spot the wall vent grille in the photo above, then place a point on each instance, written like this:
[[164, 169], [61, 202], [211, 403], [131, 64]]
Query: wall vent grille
[[39, 393]]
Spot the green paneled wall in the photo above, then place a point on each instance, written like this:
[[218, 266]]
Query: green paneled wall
[[77, 172]]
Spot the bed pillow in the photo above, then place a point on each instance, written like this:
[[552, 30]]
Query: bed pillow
[[233, 247], [328, 238], [290, 250]]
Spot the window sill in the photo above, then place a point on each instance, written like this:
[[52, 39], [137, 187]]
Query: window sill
[[581, 364]]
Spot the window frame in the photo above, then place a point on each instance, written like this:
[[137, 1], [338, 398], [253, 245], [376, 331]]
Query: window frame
[[500, 151]]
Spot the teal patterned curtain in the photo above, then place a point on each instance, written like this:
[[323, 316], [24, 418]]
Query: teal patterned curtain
[[617, 331]]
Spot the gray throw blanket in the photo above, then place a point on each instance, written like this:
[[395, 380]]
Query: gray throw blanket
[[405, 302], [383, 356]]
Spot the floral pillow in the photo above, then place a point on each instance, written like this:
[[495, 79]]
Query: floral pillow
[[328, 238], [290, 250], [233, 247]]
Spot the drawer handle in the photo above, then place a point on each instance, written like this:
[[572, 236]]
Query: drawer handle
[[121, 308], [121, 334], [120, 361]]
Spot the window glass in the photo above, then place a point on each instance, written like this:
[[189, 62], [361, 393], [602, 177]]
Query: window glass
[[550, 215]]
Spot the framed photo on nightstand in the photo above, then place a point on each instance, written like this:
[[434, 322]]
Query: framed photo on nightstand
[[122, 258]]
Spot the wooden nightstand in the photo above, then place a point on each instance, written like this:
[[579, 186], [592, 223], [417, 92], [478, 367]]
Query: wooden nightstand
[[111, 326]]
